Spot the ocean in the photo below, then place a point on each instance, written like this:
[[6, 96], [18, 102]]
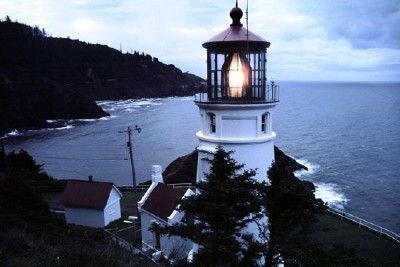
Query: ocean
[[348, 134]]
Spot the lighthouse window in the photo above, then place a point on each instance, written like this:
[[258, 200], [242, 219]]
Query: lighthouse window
[[212, 122], [264, 121]]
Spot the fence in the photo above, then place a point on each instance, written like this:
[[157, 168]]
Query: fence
[[125, 244], [145, 187], [364, 223]]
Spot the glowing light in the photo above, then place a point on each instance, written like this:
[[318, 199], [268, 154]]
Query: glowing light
[[236, 76]]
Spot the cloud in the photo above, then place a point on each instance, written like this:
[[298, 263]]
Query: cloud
[[85, 24], [365, 24], [310, 40]]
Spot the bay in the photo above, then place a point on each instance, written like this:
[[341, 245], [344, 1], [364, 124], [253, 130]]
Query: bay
[[348, 134]]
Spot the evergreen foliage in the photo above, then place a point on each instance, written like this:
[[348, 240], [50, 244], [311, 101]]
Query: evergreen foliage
[[2, 159], [21, 166], [221, 209], [291, 205]]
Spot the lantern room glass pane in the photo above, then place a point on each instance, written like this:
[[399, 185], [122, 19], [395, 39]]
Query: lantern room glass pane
[[242, 78], [220, 60]]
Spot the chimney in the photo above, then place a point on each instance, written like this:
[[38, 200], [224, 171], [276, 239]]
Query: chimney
[[156, 174], [90, 178]]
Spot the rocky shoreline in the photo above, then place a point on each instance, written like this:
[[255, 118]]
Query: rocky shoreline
[[184, 169]]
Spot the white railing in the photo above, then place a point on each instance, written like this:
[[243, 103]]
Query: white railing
[[147, 247], [361, 222], [145, 187], [201, 97]]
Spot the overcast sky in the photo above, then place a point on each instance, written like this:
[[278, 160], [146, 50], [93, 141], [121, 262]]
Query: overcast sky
[[333, 40]]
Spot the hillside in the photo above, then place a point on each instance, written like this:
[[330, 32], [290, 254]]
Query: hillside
[[44, 78], [30, 235]]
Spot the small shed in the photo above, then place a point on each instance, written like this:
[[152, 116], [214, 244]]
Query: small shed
[[90, 203]]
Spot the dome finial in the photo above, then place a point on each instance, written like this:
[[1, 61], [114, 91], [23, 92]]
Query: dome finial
[[236, 15]]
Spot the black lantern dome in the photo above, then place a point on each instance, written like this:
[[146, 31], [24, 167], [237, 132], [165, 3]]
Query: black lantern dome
[[236, 65]]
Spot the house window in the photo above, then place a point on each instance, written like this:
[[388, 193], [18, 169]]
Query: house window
[[212, 122], [264, 121]]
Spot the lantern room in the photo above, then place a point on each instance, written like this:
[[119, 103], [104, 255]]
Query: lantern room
[[236, 66]]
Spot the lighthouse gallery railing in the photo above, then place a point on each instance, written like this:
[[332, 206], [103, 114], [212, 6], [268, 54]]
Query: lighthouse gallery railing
[[271, 96]]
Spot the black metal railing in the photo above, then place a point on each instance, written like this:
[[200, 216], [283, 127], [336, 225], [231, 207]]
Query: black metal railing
[[271, 96]]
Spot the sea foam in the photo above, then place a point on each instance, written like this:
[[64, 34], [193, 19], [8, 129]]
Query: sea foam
[[129, 105], [330, 194], [12, 133], [312, 168]]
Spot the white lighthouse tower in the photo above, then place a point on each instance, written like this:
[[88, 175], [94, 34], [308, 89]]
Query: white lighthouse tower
[[235, 111]]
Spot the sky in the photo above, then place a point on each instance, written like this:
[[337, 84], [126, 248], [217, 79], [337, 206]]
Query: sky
[[324, 40]]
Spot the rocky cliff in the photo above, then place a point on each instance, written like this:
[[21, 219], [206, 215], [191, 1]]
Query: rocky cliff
[[45, 78], [183, 169]]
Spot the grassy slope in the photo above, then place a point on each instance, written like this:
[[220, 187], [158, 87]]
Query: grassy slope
[[333, 235], [31, 236]]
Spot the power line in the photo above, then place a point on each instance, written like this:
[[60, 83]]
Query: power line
[[66, 158]]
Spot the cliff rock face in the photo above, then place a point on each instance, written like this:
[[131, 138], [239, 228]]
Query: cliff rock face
[[291, 164], [25, 106], [183, 169], [58, 78]]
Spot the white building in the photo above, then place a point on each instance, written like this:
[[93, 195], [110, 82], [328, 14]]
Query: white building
[[158, 205], [89, 203], [236, 114], [236, 110]]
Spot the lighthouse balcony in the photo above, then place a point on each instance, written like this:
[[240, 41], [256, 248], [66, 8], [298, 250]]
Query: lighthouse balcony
[[271, 96]]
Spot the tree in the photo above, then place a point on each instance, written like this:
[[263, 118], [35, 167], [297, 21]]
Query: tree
[[291, 204], [22, 166], [221, 209], [2, 159]]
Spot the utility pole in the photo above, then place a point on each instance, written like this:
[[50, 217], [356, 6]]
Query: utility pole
[[129, 145]]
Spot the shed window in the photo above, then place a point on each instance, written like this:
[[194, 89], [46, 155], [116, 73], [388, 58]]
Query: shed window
[[212, 122]]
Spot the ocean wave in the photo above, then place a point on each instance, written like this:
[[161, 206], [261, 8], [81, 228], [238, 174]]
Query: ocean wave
[[53, 121], [129, 105], [101, 103], [66, 127], [12, 133], [105, 118], [312, 168], [331, 194]]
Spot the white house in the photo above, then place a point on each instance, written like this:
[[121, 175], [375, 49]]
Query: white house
[[158, 205], [89, 203]]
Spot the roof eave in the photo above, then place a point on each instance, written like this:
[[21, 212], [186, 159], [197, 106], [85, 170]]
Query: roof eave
[[227, 44]]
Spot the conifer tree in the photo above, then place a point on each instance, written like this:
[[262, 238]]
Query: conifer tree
[[221, 209], [291, 205]]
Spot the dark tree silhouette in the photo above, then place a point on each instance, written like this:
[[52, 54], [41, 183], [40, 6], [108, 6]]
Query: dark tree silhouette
[[224, 205], [291, 204]]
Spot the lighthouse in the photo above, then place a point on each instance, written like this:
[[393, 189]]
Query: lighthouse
[[236, 110]]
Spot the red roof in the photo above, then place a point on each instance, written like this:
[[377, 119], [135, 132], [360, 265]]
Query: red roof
[[85, 194], [163, 200], [236, 34]]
